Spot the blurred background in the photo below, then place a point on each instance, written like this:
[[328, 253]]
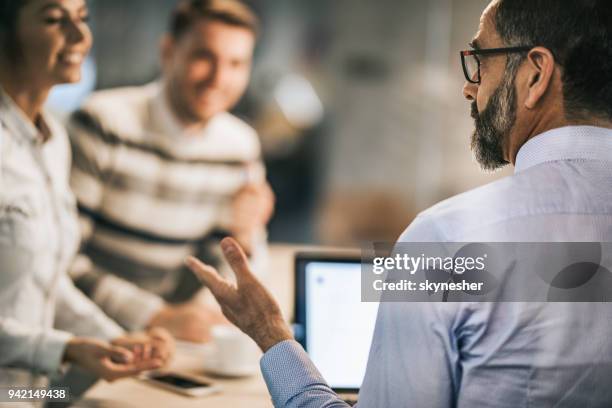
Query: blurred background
[[358, 105]]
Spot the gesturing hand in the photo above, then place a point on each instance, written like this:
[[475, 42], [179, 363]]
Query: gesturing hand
[[247, 304], [105, 360]]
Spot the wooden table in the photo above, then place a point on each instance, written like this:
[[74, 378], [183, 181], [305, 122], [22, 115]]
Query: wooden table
[[128, 393], [248, 392]]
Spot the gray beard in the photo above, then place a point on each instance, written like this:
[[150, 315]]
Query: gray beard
[[493, 125]]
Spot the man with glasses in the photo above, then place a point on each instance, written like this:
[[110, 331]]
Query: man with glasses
[[539, 79]]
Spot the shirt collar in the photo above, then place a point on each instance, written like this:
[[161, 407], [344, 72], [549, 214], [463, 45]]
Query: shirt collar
[[168, 134], [566, 143], [166, 122], [20, 124]]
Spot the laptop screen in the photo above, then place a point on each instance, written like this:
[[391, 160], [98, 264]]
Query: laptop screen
[[333, 325]]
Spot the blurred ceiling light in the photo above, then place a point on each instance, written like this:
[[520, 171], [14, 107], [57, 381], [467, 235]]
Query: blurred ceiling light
[[298, 101]]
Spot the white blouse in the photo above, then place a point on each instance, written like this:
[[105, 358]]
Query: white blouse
[[39, 236]]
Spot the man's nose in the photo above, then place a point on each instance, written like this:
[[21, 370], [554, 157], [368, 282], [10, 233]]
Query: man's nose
[[469, 91], [216, 75]]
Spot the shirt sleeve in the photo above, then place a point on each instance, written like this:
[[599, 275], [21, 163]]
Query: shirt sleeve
[[77, 314], [23, 345], [294, 381], [129, 305], [36, 349]]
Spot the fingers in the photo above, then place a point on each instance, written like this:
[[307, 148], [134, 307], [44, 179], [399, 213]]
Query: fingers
[[119, 354], [245, 240], [254, 204], [136, 349], [207, 274], [270, 198], [161, 335], [236, 258], [163, 344], [161, 352], [120, 362], [146, 351], [255, 188], [113, 370], [139, 347]]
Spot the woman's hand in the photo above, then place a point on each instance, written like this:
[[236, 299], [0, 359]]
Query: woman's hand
[[155, 343], [105, 360]]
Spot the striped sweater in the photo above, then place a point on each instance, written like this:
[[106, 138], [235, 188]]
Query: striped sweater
[[150, 193]]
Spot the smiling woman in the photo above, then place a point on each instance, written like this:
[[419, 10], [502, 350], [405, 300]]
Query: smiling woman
[[42, 44], [46, 42]]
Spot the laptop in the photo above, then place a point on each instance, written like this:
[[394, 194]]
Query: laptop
[[332, 324]]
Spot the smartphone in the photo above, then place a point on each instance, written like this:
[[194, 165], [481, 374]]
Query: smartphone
[[184, 384]]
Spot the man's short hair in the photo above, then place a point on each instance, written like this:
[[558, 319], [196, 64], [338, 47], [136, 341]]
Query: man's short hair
[[232, 12], [579, 34]]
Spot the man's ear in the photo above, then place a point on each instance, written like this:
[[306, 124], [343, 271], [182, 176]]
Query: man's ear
[[166, 49], [541, 67]]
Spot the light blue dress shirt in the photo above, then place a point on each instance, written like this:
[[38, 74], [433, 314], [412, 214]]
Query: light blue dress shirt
[[467, 355]]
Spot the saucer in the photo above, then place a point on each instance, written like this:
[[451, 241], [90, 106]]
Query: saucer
[[212, 365]]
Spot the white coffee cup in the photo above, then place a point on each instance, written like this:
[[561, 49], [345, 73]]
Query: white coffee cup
[[232, 354]]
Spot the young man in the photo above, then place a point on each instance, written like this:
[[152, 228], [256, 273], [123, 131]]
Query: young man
[[161, 170], [541, 94]]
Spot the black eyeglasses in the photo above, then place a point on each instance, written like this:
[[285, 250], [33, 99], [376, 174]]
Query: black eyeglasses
[[471, 62]]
